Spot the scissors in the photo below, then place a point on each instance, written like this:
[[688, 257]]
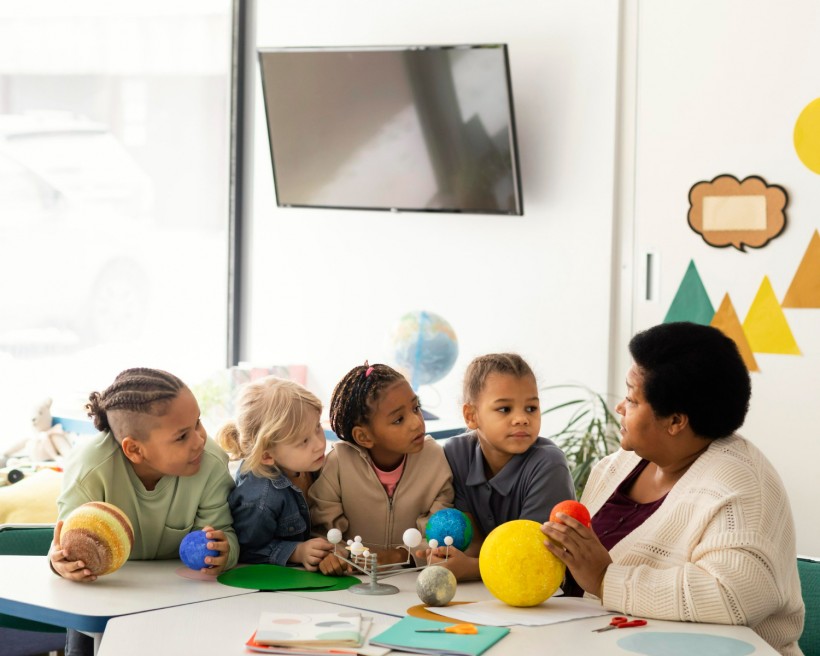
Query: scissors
[[461, 629], [620, 622]]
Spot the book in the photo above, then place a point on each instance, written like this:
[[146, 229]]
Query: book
[[313, 630], [363, 650], [403, 636]]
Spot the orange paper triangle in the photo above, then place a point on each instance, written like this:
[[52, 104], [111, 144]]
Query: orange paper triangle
[[765, 325], [726, 321], [804, 292]]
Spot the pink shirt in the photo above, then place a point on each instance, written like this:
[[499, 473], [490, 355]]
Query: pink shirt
[[390, 479]]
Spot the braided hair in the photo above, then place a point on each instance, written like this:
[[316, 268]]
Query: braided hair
[[121, 408], [354, 396]]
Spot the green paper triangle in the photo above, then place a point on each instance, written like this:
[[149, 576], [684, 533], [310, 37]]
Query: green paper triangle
[[691, 302], [276, 577]]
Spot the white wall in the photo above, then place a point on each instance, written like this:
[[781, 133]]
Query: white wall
[[328, 285], [720, 86]]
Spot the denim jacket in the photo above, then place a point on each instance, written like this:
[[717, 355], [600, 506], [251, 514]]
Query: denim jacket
[[270, 517]]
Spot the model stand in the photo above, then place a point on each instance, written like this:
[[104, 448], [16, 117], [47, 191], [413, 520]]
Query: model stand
[[366, 562]]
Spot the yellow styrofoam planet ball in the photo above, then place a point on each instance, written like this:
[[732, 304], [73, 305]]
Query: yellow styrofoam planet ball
[[516, 566], [99, 534]]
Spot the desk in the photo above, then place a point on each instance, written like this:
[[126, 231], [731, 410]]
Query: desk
[[220, 627], [146, 608], [182, 630], [31, 590], [394, 604]]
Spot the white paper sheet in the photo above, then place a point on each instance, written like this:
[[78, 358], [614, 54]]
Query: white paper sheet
[[497, 613]]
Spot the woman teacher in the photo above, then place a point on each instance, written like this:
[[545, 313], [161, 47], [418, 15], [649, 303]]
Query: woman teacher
[[690, 521]]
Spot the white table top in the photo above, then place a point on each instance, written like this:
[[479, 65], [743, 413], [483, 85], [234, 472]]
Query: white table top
[[31, 590], [221, 626], [185, 630], [395, 604], [150, 609], [574, 638]]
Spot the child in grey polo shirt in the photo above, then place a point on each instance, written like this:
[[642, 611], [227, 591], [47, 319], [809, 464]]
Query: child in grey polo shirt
[[502, 470]]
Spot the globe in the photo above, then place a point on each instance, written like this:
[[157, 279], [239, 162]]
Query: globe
[[424, 346]]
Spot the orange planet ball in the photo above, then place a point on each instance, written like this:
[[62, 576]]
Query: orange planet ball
[[99, 534], [572, 508]]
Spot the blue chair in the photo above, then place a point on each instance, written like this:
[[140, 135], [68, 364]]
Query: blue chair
[[20, 637], [809, 570]]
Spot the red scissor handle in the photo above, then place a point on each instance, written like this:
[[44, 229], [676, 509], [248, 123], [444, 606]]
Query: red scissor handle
[[624, 625]]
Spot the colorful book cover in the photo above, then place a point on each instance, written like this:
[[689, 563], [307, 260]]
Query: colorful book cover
[[309, 629]]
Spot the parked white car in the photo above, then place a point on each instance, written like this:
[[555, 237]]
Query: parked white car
[[75, 231]]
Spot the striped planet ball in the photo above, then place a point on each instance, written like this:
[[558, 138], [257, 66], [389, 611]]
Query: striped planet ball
[[100, 535]]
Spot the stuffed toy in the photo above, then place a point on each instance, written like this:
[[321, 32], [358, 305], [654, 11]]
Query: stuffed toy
[[48, 442]]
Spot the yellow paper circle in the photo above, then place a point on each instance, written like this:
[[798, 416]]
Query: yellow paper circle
[[807, 136], [516, 566]]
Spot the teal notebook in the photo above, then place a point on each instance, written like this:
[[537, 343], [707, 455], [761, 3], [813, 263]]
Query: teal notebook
[[402, 636]]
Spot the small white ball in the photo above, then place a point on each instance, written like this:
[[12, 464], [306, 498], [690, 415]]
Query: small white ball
[[366, 553], [411, 537], [357, 548], [448, 540], [433, 544], [358, 538], [334, 536]]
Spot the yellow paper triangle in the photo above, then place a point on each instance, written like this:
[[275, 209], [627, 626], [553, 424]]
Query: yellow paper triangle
[[765, 325], [726, 321], [804, 292]]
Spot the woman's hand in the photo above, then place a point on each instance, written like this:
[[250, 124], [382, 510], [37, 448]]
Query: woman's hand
[[310, 553], [74, 570], [579, 549], [218, 542]]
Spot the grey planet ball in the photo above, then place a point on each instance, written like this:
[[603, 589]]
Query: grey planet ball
[[436, 586]]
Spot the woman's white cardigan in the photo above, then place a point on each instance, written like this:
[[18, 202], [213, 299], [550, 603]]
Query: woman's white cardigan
[[720, 549]]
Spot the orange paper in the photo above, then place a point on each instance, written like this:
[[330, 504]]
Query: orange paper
[[804, 292], [726, 321]]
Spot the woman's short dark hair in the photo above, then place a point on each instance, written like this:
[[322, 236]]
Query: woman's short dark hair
[[695, 370]]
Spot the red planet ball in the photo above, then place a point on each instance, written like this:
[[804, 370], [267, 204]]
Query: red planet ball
[[572, 508]]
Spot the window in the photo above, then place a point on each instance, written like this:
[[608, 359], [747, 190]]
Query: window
[[114, 183]]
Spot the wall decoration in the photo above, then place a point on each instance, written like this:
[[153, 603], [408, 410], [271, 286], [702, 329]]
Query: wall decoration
[[807, 136], [691, 302], [726, 321], [804, 292], [765, 325], [727, 212]]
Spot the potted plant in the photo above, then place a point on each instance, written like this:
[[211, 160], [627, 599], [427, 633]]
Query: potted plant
[[591, 431]]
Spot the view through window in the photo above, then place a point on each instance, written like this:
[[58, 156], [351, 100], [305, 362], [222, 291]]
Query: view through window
[[114, 166]]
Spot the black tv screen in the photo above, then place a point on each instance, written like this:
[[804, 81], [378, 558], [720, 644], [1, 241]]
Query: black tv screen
[[421, 128]]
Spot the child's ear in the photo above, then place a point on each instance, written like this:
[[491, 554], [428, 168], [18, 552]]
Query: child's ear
[[468, 409], [132, 449], [267, 458], [361, 437]]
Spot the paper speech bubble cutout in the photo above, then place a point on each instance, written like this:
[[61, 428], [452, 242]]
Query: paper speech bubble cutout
[[727, 212]]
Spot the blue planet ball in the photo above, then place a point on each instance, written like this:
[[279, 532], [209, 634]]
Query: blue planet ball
[[452, 522], [194, 548]]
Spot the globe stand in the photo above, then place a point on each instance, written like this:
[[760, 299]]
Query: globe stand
[[368, 563]]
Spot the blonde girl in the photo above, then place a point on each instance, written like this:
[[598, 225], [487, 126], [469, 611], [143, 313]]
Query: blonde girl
[[281, 443]]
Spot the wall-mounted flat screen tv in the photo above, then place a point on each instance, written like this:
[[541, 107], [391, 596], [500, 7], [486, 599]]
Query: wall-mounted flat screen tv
[[420, 128]]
